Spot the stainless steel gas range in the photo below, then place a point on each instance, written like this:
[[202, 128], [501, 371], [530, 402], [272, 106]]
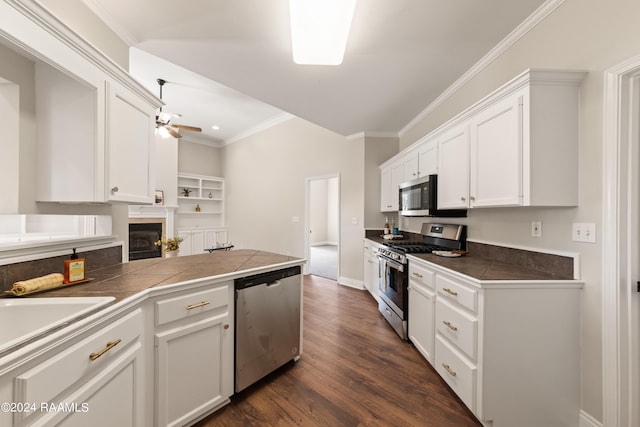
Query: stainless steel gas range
[[394, 278]]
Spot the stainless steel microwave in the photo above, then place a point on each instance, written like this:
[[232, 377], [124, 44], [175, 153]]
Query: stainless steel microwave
[[419, 197]]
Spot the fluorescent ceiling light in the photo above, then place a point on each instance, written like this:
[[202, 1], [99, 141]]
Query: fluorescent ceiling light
[[319, 30]]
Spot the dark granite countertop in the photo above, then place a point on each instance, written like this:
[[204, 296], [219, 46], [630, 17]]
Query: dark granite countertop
[[124, 280], [489, 262]]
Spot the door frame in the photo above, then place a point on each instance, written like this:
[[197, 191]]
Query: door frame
[[619, 350], [307, 220]]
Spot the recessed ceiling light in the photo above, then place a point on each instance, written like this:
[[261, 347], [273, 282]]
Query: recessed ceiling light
[[215, 127], [319, 30]]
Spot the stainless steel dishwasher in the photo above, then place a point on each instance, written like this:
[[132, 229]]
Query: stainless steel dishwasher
[[268, 323]]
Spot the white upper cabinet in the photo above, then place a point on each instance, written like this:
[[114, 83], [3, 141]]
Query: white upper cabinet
[[130, 139], [517, 147], [453, 173], [416, 163], [391, 178], [496, 162], [94, 122]]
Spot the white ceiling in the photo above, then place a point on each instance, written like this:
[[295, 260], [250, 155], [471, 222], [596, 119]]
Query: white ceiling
[[228, 62]]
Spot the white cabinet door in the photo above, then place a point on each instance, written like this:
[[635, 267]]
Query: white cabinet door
[[197, 242], [428, 158], [103, 375], [185, 246], [453, 169], [130, 142], [496, 155], [421, 318], [212, 237], [410, 168], [194, 361], [391, 178], [371, 268]]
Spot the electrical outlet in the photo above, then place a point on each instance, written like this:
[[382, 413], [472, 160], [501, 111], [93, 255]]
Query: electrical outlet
[[536, 228], [584, 232]]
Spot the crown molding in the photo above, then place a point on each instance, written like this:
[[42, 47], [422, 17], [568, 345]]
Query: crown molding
[[520, 31]]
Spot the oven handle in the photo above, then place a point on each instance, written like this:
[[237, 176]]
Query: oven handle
[[393, 264]]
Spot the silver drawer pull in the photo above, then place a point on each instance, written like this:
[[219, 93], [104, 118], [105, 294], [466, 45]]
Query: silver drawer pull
[[450, 326], [449, 291], [449, 370], [110, 345], [417, 274], [199, 304]]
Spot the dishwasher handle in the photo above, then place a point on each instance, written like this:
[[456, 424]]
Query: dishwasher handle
[[270, 278]]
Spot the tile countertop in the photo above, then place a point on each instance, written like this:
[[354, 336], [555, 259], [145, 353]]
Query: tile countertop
[[124, 280], [488, 262]]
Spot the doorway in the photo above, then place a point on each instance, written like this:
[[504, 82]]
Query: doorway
[[621, 250], [323, 226]]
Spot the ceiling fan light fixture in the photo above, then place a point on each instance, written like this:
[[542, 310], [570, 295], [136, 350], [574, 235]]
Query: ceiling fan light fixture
[[319, 30], [163, 132]]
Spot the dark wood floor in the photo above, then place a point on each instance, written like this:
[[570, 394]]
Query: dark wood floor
[[354, 371]]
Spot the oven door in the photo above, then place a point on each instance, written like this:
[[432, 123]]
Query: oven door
[[393, 285]]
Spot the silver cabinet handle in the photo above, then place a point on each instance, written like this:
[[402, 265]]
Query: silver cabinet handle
[[417, 274], [449, 291], [115, 189]]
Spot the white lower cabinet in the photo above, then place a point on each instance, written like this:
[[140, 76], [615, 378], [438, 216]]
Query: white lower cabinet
[[195, 241], [422, 299], [193, 353], [510, 350], [371, 267], [97, 381]]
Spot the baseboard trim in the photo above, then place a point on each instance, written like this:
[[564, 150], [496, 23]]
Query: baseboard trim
[[352, 283], [587, 420]]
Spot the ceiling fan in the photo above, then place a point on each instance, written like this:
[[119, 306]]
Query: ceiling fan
[[163, 120]]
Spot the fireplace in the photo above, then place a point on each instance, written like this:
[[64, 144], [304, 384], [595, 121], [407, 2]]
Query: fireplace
[[142, 240]]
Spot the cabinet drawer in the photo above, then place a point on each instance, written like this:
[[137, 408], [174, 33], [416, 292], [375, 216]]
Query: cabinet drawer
[[459, 327], [422, 275], [454, 291], [457, 371], [45, 381], [183, 306]]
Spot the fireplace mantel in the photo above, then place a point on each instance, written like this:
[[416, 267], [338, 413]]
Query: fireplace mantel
[[166, 212]]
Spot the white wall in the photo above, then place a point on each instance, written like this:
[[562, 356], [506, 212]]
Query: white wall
[[199, 158], [581, 34], [265, 176]]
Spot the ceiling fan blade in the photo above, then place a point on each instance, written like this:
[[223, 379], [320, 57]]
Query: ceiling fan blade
[[185, 127], [173, 132]]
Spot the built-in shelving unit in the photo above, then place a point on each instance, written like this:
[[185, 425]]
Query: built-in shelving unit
[[201, 195], [200, 214]]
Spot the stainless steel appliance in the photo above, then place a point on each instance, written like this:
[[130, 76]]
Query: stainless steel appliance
[[394, 267], [267, 314], [419, 197]]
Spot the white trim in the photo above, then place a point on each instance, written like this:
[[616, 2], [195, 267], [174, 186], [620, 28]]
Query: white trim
[[522, 29], [615, 359], [42, 250], [280, 118], [351, 283]]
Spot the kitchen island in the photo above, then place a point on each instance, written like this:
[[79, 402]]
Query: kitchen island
[[161, 354]]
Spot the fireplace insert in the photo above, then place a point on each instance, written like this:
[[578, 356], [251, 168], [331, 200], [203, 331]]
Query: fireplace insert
[[142, 240]]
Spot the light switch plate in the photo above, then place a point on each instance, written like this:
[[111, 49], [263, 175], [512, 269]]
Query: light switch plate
[[536, 228]]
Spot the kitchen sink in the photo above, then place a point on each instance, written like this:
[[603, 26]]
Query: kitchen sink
[[24, 320]]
